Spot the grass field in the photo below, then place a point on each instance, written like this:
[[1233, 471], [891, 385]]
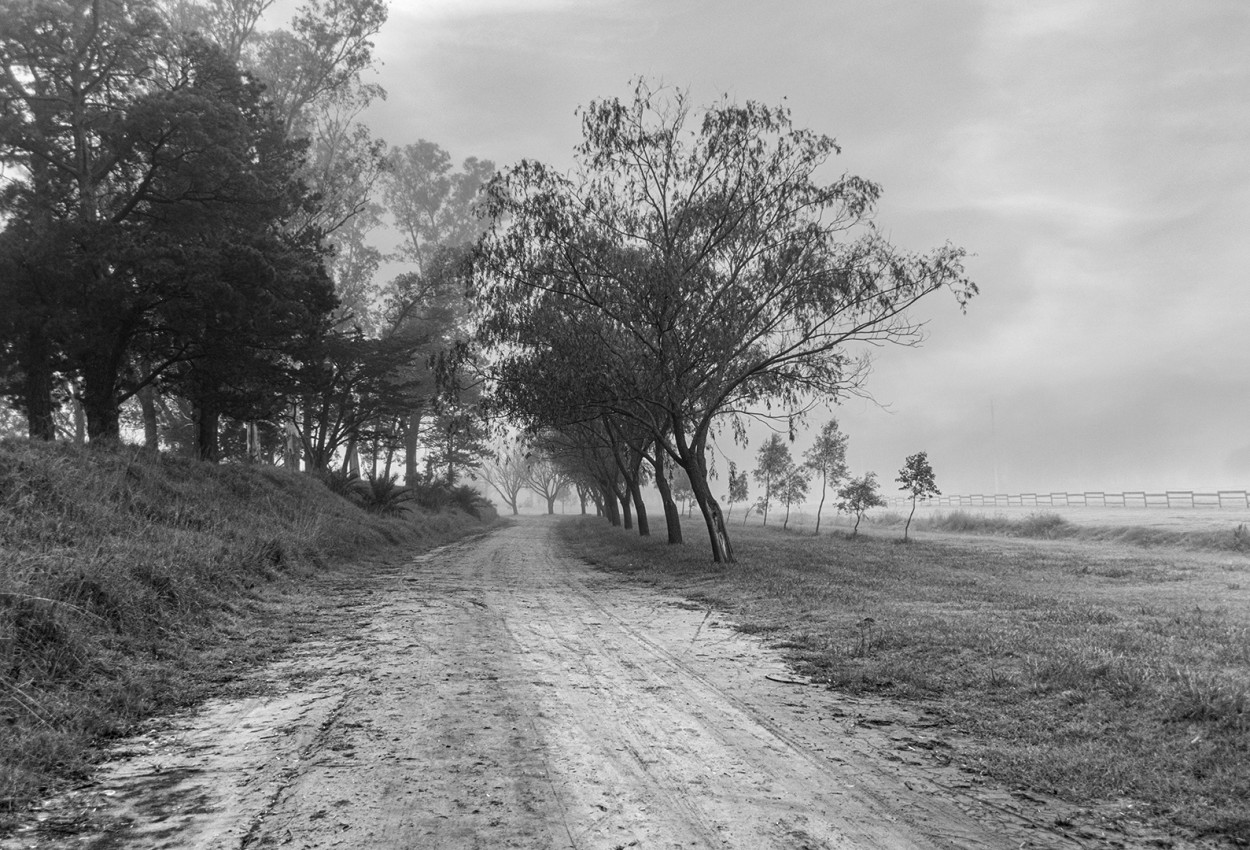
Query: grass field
[[1095, 669]]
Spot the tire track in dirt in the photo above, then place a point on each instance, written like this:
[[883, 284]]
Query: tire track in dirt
[[496, 693]]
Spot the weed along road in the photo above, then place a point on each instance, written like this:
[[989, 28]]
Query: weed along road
[[496, 693]]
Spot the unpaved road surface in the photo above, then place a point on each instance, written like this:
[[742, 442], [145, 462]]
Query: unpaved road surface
[[497, 693]]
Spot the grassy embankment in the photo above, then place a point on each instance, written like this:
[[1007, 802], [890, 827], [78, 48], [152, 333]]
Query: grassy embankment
[[1094, 670], [130, 585]]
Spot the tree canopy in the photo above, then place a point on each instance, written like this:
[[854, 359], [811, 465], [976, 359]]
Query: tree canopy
[[705, 268]]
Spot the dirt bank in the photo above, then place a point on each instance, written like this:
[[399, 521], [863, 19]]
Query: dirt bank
[[495, 693]]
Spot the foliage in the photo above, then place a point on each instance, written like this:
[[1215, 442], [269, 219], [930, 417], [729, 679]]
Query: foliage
[[916, 476], [737, 486], [792, 486], [858, 496], [695, 256], [545, 477], [827, 456], [506, 470], [772, 463]]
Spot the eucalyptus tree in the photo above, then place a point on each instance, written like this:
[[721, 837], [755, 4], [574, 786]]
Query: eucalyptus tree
[[792, 488], [827, 456], [705, 245], [918, 480], [772, 461], [858, 496], [505, 471], [545, 477]]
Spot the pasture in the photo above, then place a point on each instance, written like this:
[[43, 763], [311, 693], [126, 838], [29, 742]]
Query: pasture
[[1109, 669]]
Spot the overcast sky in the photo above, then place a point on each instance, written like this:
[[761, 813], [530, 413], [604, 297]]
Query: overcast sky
[[1093, 156]]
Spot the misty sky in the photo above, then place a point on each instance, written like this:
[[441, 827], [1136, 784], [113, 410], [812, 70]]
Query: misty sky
[[1093, 155]]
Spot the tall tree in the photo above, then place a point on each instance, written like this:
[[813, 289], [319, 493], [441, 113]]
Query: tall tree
[[917, 479], [433, 208], [827, 456], [706, 255]]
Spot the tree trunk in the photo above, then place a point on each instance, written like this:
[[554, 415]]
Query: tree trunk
[[640, 509], [909, 516], [627, 516], [147, 405], [206, 418], [100, 404], [290, 457], [824, 489], [692, 455], [551, 504], [410, 447], [37, 386], [611, 508], [672, 515]]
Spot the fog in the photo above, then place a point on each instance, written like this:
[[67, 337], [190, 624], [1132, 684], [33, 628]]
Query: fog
[[1095, 159]]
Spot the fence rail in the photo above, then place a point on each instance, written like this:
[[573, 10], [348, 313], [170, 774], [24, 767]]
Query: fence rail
[[1092, 499]]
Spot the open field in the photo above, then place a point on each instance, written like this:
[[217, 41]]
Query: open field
[[1171, 519], [1112, 675]]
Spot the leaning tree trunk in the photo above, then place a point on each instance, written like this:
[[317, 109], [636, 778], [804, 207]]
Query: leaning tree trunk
[[692, 455], [635, 494], [824, 489], [672, 514]]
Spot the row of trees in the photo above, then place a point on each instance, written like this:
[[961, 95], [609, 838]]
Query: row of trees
[[694, 269], [786, 482], [187, 203]]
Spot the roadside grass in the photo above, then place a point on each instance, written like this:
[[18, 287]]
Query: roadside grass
[[133, 584], [1084, 668]]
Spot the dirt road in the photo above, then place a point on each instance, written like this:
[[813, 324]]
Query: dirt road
[[495, 693]]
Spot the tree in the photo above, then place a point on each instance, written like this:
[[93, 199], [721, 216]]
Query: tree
[[792, 488], [858, 496], [507, 472], [827, 456], [916, 476], [737, 486], [682, 491], [719, 277], [434, 211], [547, 479], [145, 158], [432, 206], [772, 462]]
